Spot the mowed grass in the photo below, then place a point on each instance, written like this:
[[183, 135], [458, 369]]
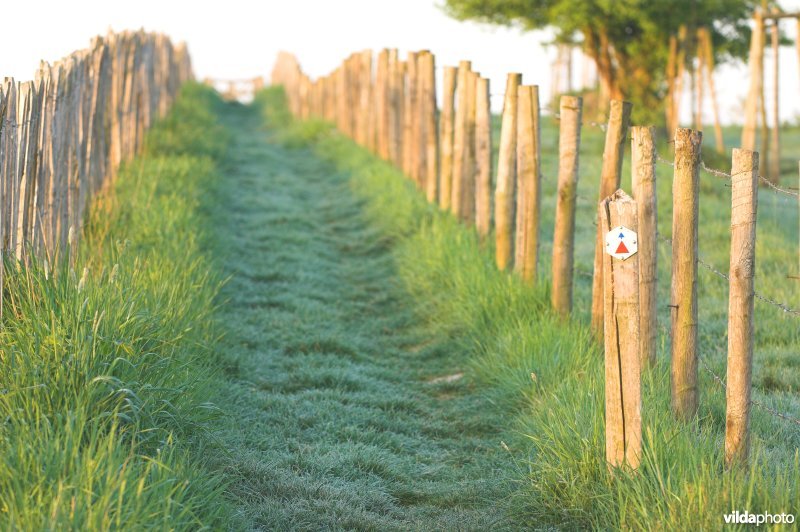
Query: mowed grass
[[342, 412], [105, 367], [543, 377]]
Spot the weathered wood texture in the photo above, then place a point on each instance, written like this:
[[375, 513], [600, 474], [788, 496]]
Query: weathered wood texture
[[616, 134], [621, 339], [643, 180], [446, 129], [569, 142], [685, 209], [528, 183], [506, 175], [64, 134], [483, 158], [744, 203]]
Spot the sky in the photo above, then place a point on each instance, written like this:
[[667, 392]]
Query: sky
[[240, 39]]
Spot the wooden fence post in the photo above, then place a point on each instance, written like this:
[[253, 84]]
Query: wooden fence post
[[460, 140], [569, 142], [744, 203], [621, 337], [643, 166], [409, 116], [446, 128], [469, 169], [685, 204], [506, 175], [528, 183], [431, 176], [483, 158], [618, 122], [756, 63]]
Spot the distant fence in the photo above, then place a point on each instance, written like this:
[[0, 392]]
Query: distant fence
[[390, 108], [64, 134]]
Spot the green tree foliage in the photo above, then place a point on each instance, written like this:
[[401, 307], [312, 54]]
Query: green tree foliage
[[627, 39]]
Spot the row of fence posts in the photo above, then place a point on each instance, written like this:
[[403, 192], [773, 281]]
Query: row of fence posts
[[64, 134], [391, 110]]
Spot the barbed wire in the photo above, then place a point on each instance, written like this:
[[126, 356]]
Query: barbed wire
[[724, 175], [785, 308], [759, 404]]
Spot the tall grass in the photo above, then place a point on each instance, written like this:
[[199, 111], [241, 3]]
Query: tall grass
[[105, 366], [545, 377]]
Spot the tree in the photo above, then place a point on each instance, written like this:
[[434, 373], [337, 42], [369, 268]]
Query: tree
[[627, 39]]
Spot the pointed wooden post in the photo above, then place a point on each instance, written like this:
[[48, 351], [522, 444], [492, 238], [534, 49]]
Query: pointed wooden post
[[569, 141], [616, 134], [483, 158], [744, 203], [685, 208], [446, 130], [506, 175], [528, 183], [643, 167], [623, 400]]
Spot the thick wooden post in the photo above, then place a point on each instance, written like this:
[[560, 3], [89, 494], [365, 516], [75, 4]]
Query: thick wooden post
[[618, 121], [528, 183], [756, 63], [469, 168], [569, 142], [410, 113], [446, 129], [621, 333], [431, 175], [483, 158], [643, 166], [708, 62], [685, 205], [744, 203], [775, 141], [460, 137], [506, 175]]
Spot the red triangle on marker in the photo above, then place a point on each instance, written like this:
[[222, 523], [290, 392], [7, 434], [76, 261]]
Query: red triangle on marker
[[621, 248]]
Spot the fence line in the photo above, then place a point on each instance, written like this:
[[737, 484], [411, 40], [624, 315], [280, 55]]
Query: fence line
[[394, 113], [64, 134]]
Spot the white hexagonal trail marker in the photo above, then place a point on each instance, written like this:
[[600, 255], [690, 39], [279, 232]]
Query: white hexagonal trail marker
[[621, 243]]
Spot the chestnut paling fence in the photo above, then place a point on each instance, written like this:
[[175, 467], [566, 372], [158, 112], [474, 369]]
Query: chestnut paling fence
[[64, 134], [389, 106]]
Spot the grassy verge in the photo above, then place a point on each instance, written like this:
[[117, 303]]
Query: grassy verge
[[545, 376], [105, 368]]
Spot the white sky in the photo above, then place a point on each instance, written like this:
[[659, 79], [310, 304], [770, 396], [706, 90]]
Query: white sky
[[239, 39]]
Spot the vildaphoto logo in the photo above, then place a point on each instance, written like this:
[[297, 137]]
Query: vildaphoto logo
[[746, 518]]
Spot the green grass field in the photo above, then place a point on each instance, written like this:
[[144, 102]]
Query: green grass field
[[510, 334], [105, 368], [269, 328]]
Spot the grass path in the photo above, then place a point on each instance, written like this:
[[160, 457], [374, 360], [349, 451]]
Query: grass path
[[336, 416]]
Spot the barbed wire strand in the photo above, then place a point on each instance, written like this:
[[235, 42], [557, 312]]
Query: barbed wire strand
[[784, 307]]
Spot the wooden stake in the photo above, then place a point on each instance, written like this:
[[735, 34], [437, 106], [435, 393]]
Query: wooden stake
[[685, 203], [431, 176], [483, 156], [470, 169], [569, 141], [446, 129], [775, 145], [621, 332], [756, 81], [618, 122], [528, 183], [460, 139], [744, 204], [708, 52], [643, 165], [669, 108], [506, 175]]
